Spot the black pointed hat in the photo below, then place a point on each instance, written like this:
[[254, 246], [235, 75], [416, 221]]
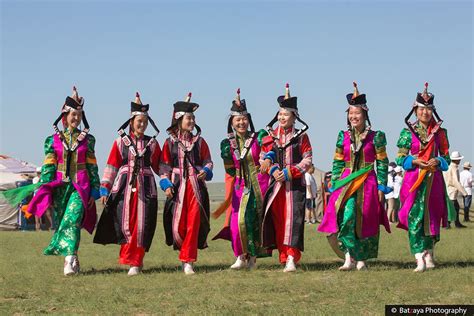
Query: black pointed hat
[[288, 102], [137, 107], [179, 109], [239, 107], [185, 106], [357, 99], [74, 101], [425, 98]]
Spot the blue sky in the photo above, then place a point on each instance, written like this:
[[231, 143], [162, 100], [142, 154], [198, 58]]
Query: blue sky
[[109, 50]]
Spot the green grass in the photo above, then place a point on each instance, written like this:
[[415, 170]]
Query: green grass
[[31, 283]]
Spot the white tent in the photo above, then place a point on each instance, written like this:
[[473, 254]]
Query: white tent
[[11, 171]]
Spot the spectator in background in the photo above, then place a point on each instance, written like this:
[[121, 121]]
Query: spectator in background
[[327, 188], [311, 194], [394, 182], [318, 176], [396, 191], [453, 186], [389, 196], [466, 182]]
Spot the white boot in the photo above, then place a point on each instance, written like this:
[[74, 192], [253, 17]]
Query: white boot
[[252, 263], [429, 259], [188, 268], [240, 263], [71, 265], [420, 262], [290, 264], [348, 263], [361, 265], [134, 270]]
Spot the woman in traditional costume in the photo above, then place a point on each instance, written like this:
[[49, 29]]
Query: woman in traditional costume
[[424, 154], [128, 190], [69, 183], [185, 166], [245, 187], [359, 182], [286, 155]]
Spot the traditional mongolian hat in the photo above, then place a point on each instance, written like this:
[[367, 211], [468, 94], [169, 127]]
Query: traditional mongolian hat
[[137, 108], [72, 103], [288, 103], [424, 99], [239, 107], [181, 108], [358, 100]]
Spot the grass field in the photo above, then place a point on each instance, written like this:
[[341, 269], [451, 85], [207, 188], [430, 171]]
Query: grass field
[[31, 283]]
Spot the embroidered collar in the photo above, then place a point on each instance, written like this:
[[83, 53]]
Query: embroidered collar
[[357, 139], [235, 145]]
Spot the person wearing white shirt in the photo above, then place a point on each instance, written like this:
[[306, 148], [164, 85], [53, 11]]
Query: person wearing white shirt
[[451, 177], [311, 193], [389, 196], [465, 178]]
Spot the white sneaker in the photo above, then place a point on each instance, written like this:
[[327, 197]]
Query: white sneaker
[[429, 259], [420, 262], [134, 270], [252, 263], [361, 265], [240, 263], [348, 263], [290, 265], [71, 265], [188, 268]]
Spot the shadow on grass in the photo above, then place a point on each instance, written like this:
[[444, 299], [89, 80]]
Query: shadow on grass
[[386, 265], [314, 266], [156, 269]]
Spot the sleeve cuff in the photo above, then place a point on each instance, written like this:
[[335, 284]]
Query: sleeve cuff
[[408, 163], [95, 194], [270, 155], [209, 173], [443, 164], [287, 174], [273, 169], [103, 191], [385, 189], [165, 184]]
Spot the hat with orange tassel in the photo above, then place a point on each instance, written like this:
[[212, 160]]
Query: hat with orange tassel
[[357, 99]]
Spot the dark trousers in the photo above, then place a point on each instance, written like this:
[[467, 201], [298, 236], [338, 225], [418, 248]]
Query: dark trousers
[[467, 206], [456, 207]]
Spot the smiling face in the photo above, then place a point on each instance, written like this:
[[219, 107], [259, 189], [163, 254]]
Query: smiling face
[[188, 122], [139, 124], [73, 119], [424, 114], [240, 123], [286, 118], [356, 117]]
